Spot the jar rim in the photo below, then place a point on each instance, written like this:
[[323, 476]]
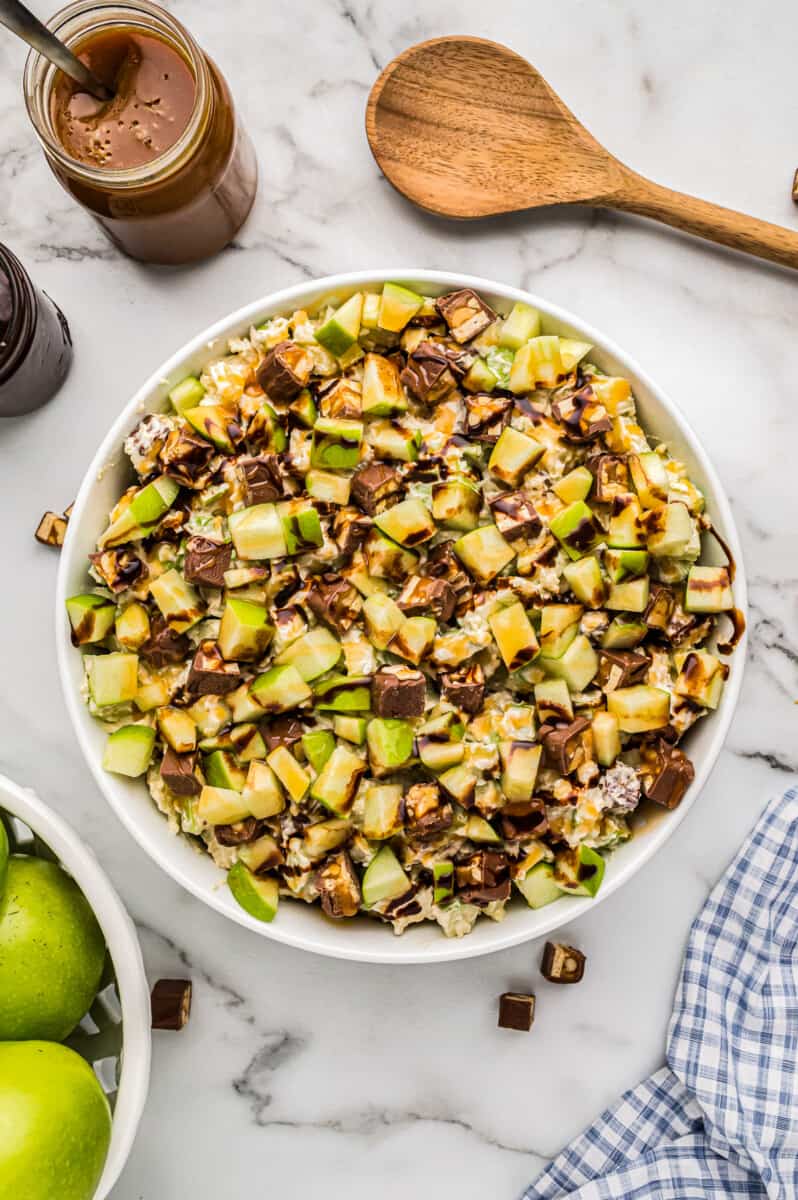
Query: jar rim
[[83, 18]]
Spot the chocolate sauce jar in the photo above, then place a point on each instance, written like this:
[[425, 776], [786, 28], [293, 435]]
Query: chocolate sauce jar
[[35, 346], [166, 166]]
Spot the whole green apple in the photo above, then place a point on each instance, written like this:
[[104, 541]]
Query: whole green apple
[[55, 1124], [52, 952]]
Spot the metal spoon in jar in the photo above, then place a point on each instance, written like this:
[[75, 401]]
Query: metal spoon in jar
[[21, 21]]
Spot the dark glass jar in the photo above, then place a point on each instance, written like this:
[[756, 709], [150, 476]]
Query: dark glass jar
[[35, 346], [190, 201]]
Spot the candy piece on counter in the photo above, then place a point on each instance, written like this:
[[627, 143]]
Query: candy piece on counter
[[516, 1011], [51, 530], [562, 964], [171, 1004]]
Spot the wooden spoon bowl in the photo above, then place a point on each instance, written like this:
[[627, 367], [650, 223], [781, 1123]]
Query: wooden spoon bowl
[[467, 128]]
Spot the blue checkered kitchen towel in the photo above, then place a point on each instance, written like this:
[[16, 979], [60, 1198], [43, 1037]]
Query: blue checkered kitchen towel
[[721, 1119]]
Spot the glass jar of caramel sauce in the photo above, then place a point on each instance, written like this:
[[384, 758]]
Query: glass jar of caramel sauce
[[164, 166]]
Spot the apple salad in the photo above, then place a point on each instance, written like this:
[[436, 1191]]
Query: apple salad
[[403, 612]]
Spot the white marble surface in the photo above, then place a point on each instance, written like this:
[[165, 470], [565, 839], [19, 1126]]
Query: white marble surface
[[298, 1073]]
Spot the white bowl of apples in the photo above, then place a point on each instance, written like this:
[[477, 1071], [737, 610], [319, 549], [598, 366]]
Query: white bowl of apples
[[302, 925]]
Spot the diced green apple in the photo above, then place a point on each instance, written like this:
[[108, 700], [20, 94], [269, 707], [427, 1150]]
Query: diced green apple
[[245, 631], [585, 580], [113, 678], [91, 618], [338, 781], [313, 654], [629, 596], [538, 887], [177, 600], [520, 762], [559, 625], [382, 811], [398, 305], [383, 394], [258, 895], [577, 665], [514, 634], [670, 530], [336, 443], [340, 331], [384, 878], [128, 750], [575, 528], [649, 478], [186, 394], [390, 744], [574, 486], [522, 323], [409, 523], [484, 552], [606, 738], [456, 503], [708, 590], [327, 487], [257, 532], [291, 774], [639, 708], [514, 454], [280, 689], [262, 793]]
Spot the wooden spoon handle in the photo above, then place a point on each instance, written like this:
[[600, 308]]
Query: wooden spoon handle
[[711, 221]]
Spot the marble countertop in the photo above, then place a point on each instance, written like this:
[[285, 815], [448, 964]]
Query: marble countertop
[[299, 1067]]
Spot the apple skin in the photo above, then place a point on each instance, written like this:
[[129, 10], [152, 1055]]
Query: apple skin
[[55, 1123], [52, 952], [4, 851]]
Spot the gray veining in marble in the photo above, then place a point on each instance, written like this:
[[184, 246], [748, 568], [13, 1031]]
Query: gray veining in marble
[[302, 1074]]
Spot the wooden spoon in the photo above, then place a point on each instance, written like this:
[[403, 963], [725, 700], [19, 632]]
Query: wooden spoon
[[464, 127]]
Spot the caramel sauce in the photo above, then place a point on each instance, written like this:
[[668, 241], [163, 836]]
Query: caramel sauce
[[154, 97]]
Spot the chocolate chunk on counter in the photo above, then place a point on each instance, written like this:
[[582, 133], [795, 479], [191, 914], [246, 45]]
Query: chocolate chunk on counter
[[207, 561], [51, 530], [465, 313], [515, 516], [209, 674], [398, 692], [179, 772], [339, 886], [666, 773], [284, 371], [373, 485], [565, 745], [428, 375], [562, 964], [171, 1004], [164, 647], [263, 482], [281, 731], [516, 1011], [465, 688], [422, 596], [333, 600], [620, 668]]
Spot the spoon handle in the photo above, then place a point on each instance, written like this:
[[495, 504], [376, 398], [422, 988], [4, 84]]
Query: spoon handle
[[21, 21], [712, 221]]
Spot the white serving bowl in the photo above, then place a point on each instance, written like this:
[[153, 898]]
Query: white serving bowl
[[119, 1042], [302, 925]]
